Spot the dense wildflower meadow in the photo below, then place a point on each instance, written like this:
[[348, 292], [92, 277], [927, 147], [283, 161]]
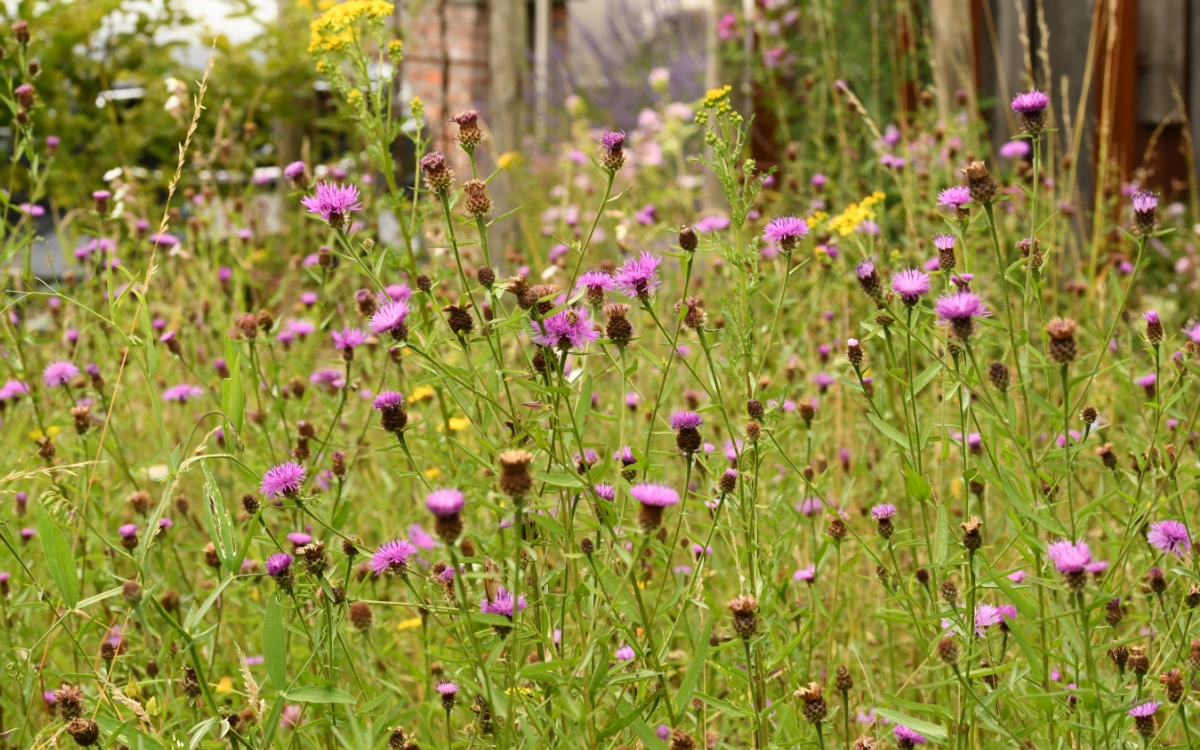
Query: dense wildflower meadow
[[630, 443]]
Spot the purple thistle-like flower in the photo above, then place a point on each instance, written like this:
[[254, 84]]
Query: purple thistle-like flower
[[624, 653], [686, 420], [387, 400], [182, 393], [955, 197], [390, 317], [299, 538], [348, 339], [565, 329], [1145, 202], [59, 373], [908, 735], [128, 530], [613, 142], [278, 564], [1151, 316], [1069, 557], [1142, 710], [657, 495], [1147, 381], [638, 277], [865, 269], [986, 615], [595, 281], [1170, 537], [882, 511], [283, 479], [910, 284], [808, 573], [785, 231], [504, 604], [392, 557], [1015, 150], [332, 202], [1030, 102], [328, 378], [943, 241], [445, 503], [960, 306], [446, 687], [294, 170]]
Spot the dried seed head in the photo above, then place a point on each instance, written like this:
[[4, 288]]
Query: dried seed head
[[947, 650], [745, 615], [84, 731], [980, 183], [815, 707], [361, 616], [972, 539], [843, 681]]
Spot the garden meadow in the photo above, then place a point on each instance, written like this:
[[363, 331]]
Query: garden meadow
[[632, 442]]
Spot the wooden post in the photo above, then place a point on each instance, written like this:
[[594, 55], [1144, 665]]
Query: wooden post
[[952, 55], [507, 47]]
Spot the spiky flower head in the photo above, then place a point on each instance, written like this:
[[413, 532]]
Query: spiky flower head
[[438, 176], [278, 564], [391, 318], [332, 202], [786, 231], [911, 285], [906, 738], [612, 151], [59, 373], [445, 503], [638, 277], [1030, 108], [961, 308], [503, 604], [1170, 537], [392, 557], [282, 480], [955, 197], [566, 329], [1145, 212]]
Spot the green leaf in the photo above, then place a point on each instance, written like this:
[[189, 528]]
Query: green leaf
[[124, 733], [891, 432], [926, 377], [99, 598], [220, 523], [918, 486], [274, 644], [694, 673], [619, 723], [196, 615], [319, 694], [932, 732], [59, 558]]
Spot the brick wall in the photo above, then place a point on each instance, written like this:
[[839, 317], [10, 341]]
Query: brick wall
[[446, 64]]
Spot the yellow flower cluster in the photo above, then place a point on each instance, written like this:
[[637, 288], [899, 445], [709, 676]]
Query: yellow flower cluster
[[333, 29], [855, 214], [715, 99]]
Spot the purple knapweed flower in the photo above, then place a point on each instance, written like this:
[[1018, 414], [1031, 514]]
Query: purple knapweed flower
[[182, 393], [565, 329], [1030, 103], [332, 202], [504, 604], [390, 318], [786, 231], [910, 285], [282, 480], [905, 735], [1170, 537], [278, 564], [955, 197], [882, 511], [445, 503], [392, 557], [638, 277], [348, 338], [59, 374]]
